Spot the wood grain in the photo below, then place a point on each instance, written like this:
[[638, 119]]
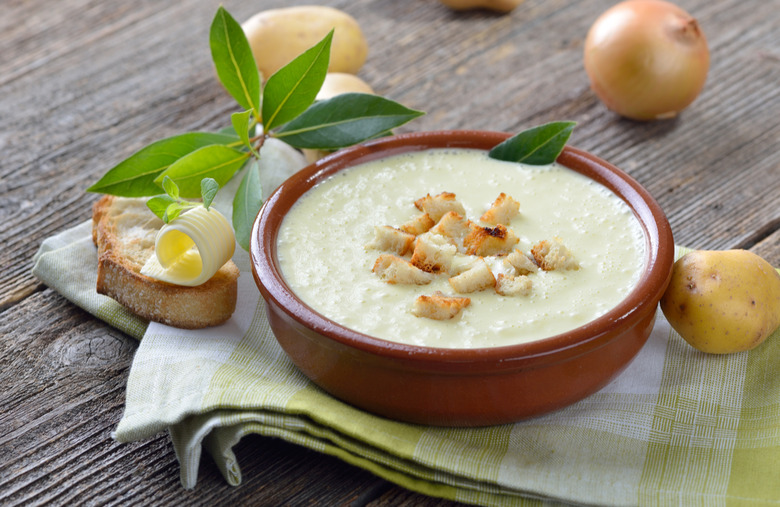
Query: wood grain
[[84, 84]]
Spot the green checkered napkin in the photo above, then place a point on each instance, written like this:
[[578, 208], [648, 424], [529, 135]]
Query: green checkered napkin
[[678, 426]]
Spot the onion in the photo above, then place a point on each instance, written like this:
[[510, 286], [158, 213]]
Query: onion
[[646, 59]]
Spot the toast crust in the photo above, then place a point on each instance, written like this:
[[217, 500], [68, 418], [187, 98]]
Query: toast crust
[[123, 230]]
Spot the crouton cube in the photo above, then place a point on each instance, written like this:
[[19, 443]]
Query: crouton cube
[[394, 270], [437, 206], [551, 255], [463, 263], [391, 239], [474, 279], [439, 306], [418, 225], [503, 210], [496, 240], [452, 225], [521, 262], [433, 253], [519, 285]]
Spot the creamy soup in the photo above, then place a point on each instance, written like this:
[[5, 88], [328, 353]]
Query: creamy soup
[[323, 256]]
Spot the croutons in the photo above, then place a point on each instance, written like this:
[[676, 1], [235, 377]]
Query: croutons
[[519, 285], [393, 269], [476, 278], [391, 239], [437, 206], [439, 306], [551, 255], [521, 262], [418, 225], [453, 226], [503, 210], [496, 240], [433, 253], [442, 240]]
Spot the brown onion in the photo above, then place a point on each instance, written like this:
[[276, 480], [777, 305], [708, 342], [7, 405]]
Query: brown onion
[[646, 59]]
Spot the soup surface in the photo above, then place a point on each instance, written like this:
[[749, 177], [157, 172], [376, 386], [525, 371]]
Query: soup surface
[[323, 256]]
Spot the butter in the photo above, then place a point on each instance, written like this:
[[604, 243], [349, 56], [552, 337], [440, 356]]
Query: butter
[[192, 248]]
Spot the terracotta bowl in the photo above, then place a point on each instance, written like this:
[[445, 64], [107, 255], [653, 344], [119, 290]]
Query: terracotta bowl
[[460, 387]]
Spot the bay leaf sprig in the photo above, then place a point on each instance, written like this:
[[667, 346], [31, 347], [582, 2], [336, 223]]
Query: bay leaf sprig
[[283, 108], [539, 145]]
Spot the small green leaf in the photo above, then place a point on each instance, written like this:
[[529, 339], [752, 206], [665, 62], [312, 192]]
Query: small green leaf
[[535, 146], [294, 87], [208, 190], [246, 204], [231, 131], [159, 203], [170, 187], [134, 176], [240, 123], [344, 120], [218, 162], [233, 59], [173, 211]]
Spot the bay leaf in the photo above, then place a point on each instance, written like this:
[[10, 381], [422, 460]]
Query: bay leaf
[[535, 146], [135, 176], [234, 61], [246, 204], [294, 87], [216, 161], [344, 120]]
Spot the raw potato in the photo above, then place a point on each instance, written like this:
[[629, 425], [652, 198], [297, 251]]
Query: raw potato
[[494, 5], [277, 36], [723, 301], [336, 83]]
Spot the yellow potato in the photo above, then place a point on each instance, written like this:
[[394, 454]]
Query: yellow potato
[[723, 301], [336, 83], [494, 5], [277, 36]]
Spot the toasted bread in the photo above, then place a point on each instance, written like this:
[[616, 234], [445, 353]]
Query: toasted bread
[[124, 231], [439, 306]]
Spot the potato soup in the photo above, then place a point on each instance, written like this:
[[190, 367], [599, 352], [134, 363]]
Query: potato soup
[[328, 255]]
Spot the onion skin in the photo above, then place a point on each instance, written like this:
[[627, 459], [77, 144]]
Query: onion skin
[[646, 59]]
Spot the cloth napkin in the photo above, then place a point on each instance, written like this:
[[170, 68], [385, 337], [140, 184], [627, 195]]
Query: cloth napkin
[[677, 426]]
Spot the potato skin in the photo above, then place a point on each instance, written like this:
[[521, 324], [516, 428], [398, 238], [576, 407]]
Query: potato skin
[[277, 36], [337, 83], [723, 301]]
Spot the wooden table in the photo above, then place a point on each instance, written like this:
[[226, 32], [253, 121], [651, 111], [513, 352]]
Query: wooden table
[[84, 84]]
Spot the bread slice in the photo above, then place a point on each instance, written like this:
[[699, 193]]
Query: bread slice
[[124, 230]]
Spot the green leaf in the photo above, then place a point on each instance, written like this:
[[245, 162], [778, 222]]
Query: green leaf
[[231, 131], [208, 190], [294, 87], [159, 204], [170, 187], [240, 123], [134, 176], [218, 162], [536, 146], [344, 120], [173, 211], [234, 61], [246, 204]]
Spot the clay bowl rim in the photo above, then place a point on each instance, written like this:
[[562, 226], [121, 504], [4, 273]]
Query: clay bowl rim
[[641, 300]]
